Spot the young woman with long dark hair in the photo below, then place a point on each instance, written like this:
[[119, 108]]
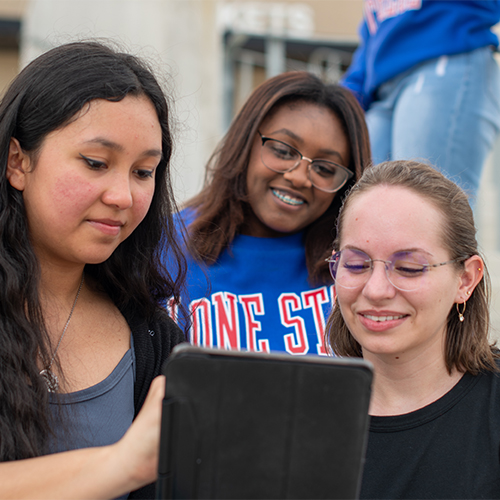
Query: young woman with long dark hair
[[85, 206], [260, 230]]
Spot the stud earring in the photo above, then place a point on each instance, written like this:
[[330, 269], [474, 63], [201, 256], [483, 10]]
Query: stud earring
[[461, 314]]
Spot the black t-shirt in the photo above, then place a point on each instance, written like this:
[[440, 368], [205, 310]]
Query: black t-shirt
[[448, 449]]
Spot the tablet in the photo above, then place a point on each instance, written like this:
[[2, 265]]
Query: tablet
[[245, 425]]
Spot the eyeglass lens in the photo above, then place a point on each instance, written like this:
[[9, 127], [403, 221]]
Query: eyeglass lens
[[325, 175], [404, 270]]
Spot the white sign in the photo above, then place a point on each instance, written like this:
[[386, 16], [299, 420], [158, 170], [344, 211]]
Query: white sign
[[266, 18]]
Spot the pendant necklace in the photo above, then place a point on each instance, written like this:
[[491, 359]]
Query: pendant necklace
[[47, 374]]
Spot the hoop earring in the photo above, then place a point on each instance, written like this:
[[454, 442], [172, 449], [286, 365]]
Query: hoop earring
[[461, 314]]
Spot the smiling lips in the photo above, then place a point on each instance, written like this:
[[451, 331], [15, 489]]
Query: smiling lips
[[107, 226], [287, 198], [383, 318], [381, 322]]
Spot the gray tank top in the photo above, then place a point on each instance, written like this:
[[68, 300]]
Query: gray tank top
[[96, 416]]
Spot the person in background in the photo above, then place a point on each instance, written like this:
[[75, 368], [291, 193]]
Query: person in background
[[260, 230], [413, 299], [85, 206], [426, 74]]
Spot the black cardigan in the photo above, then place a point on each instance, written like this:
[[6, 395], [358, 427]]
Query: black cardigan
[[153, 342]]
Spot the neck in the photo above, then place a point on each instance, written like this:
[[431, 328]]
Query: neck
[[60, 284], [405, 386]]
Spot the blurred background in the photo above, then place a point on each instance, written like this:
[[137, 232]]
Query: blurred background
[[210, 55]]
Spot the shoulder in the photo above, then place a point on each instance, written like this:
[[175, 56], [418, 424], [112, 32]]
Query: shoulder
[[182, 221], [163, 324], [160, 329], [185, 217], [154, 337]]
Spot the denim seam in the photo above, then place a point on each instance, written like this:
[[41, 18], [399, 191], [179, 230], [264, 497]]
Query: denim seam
[[455, 116]]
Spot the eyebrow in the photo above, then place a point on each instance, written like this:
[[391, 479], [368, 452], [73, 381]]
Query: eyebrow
[[297, 138], [119, 148], [403, 250]]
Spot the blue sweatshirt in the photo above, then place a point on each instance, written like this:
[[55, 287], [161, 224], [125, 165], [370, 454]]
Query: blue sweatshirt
[[256, 297], [399, 34]]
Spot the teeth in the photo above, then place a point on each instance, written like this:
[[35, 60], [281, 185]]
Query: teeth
[[382, 318], [287, 199]]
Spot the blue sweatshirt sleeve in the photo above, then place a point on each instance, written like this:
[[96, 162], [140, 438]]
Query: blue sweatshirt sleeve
[[354, 78], [396, 36]]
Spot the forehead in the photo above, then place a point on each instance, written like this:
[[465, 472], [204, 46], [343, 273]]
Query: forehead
[[113, 122], [386, 219], [281, 112]]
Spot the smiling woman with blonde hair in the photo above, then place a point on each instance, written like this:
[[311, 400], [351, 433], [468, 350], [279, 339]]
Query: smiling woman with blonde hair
[[412, 298]]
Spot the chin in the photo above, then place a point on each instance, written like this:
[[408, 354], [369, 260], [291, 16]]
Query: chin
[[286, 230], [97, 258], [383, 350]]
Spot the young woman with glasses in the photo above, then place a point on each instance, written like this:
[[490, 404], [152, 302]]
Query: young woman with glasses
[[261, 228], [85, 203], [412, 298]]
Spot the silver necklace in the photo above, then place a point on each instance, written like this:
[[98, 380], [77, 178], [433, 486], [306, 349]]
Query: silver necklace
[[50, 378]]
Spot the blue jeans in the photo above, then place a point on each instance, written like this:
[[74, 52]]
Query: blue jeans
[[445, 112]]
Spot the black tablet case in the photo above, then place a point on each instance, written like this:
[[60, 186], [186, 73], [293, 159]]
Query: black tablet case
[[255, 425]]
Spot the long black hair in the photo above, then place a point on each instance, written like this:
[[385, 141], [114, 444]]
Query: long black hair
[[45, 97]]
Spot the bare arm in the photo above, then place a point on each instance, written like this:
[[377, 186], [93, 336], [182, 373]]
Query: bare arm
[[97, 473]]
